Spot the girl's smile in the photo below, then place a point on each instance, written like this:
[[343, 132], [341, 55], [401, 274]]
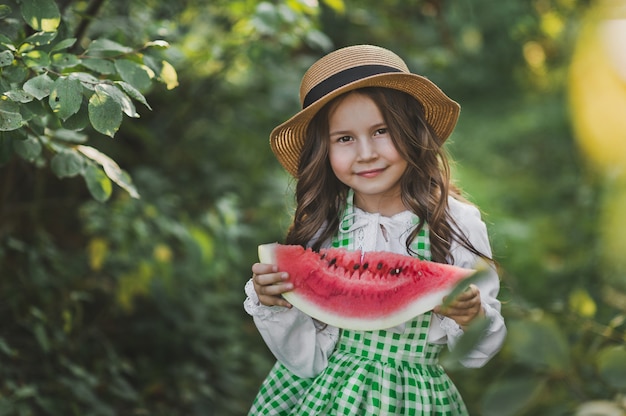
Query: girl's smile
[[370, 173], [363, 156]]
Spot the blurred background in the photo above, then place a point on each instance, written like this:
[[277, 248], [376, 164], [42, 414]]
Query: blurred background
[[126, 236]]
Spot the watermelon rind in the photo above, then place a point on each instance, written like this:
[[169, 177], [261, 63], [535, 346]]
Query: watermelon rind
[[420, 306], [417, 307], [266, 253]]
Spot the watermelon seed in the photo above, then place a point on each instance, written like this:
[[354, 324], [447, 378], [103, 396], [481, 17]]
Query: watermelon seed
[[332, 262], [379, 266], [396, 271], [365, 266], [356, 266]]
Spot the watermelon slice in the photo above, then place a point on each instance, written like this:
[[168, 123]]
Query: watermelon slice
[[361, 291]]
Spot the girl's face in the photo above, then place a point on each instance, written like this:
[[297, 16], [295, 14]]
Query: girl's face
[[363, 156]]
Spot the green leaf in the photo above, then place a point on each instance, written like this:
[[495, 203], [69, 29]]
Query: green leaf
[[15, 73], [98, 183], [336, 5], [42, 337], [64, 44], [78, 121], [120, 97], [133, 93], [36, 59], [508, 397], [539, 344], [41, 15], [39, 86], [19, 96], [6, 348], [162, 44], [135, 74], [30, 390], [36, 114], [612, 366], [472, 335], [29, 149], [10, 120], [6, 58], [70, 136], [67, 164], [101, 66], [107, 48], [4, 11], [40, 38], [88, 80], [168, 75], [111, 168], [65, 60], [66, 97], [105, 113], [7, 42]]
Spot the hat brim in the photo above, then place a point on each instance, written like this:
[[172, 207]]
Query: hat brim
[[441, 113]]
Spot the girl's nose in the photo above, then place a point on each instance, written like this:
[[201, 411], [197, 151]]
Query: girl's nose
[[367, 150]]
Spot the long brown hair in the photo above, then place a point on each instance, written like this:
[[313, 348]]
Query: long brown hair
[[426, 183]]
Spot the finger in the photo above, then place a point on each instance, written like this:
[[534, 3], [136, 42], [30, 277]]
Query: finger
[[461, 313], [465, 304], [275, 289], [269, 278], [274, 301], [262, 268]]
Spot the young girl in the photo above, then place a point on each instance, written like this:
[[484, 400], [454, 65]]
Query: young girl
[[367, 153]]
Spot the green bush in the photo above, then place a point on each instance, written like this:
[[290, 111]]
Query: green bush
[[128, 299]]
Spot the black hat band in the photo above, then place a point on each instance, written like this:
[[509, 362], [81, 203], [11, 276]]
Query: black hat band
[[342, 78]]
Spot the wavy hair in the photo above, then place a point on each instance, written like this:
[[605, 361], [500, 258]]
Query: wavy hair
[[426, 183]]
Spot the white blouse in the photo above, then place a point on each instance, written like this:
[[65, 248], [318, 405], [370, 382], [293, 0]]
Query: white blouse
[[303, 344]]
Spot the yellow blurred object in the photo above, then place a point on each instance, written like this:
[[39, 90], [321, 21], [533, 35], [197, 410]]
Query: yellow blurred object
[[597, 86], [162, 253], [582, 303], [134, 283], [97, 250]]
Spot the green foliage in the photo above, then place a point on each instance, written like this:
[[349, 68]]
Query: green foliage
[[52, 82], [112, 333], [134, 306]]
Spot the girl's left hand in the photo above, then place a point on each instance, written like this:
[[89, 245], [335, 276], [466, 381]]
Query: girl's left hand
[[465, 308]]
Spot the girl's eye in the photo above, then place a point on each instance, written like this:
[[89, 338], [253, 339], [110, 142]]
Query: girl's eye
[[381, 131], [344, 139]]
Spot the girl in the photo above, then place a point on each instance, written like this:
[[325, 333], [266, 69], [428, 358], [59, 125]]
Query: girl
[[372, 174]]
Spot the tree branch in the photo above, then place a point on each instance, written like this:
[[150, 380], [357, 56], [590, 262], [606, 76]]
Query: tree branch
[[91, 12]]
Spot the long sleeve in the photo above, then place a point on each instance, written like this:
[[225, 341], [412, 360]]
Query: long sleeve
[[446, 330], [299, 342]]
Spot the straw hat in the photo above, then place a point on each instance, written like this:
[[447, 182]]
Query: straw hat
[[350, 68]]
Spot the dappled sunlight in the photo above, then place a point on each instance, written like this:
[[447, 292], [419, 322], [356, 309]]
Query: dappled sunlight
[[115, 304], [597, 88], [597, 91]]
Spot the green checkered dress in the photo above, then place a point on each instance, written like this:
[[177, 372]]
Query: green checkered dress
[[370, 373]]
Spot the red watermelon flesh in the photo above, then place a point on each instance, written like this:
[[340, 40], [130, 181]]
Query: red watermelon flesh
[[362, 291]]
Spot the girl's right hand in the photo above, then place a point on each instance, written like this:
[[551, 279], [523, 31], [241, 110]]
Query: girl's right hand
[[269, 284]]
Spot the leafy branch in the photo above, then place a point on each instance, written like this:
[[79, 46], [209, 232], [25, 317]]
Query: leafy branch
[[50, 96]]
